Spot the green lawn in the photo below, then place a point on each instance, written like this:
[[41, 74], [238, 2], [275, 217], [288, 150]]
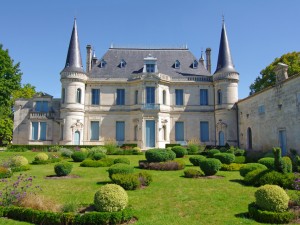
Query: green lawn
[[170, 199]]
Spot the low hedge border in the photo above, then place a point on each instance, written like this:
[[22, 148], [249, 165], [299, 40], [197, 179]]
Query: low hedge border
[[268, 216], [51, 218], [48, 161]]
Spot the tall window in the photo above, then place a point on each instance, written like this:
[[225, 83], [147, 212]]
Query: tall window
[[94, 130], [38, 131], [41, 106], [179, 131], [135, 132], [78, 95], [164, 97], [164, 129], [120, 96], [179, 97], [204, 131], [150, 95], [150, 68], [34, 130], [63, 95], [219, 95], [95, 96], [136, 97], [177, 64], [203, 97], [120, 131]]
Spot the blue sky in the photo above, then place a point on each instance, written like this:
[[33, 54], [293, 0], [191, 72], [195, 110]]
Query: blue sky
[[37, 33]]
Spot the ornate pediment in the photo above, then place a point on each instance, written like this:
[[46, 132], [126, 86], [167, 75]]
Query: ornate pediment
[[221, 125], [77, 126]]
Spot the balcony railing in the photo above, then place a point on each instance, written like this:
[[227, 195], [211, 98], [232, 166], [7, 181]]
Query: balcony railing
[[151, 106], [41, 115]]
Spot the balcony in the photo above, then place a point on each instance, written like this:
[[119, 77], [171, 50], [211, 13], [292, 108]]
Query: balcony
[[41, 115], [151, 106]]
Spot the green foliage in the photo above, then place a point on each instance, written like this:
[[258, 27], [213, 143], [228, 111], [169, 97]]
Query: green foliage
[[231, 167], [159, 155], [225, 158], [126, 181], [196, 160], [99, 155], [171, 145], [78, 156], [63, 169], [41, 157], [250, 167], [268, 77], [97, 149], [193, 149], [120, 168], [282, 164], [252, 177], [106, 162], [263, 216], [122, 160], [211, 152], [110, 198], [18, 161], [240, 159], [20, 168], [288, 165], [131, 145], [210, 166], [179, 151], [268, 162], [14, 148], [271, 198], [239, 152], [169, 165], [65, 152], [192, 173], [5, 172], [145, 178]]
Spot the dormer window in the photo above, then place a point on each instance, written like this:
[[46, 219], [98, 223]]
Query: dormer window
[[177, 64], [150, 68], [195, 64], [102, 63], [150, 65], [122, 63]]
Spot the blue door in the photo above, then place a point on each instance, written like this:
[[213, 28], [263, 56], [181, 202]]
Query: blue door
[[221, 138], [150, 133], [282, 141], [77, 138]]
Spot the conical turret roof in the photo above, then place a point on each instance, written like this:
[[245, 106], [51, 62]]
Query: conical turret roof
[[225, 63], [74, 62]]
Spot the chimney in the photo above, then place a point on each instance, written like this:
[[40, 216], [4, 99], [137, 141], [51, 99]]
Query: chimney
[[281, 72], [88, 58], [208, 61], [94, 59]]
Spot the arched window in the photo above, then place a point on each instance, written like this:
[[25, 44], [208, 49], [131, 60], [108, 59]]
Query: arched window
[[164, 97], [78, 96], [195, 64], [221, 138], [122, 63], [63, 95], [136, 97], [177, 64], [249, 138], [219, 95]]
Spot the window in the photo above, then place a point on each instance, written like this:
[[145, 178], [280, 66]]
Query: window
[[41, 106], [63, 95], [95, 96], [38, 131], [135, 132], [34, 130], [150, 68], [179, 131], [122, 63], [102, 63], [179, 97], [136, 97], [164, 129], [203, 97], [150, 95], [120, 96], [204, 131], [78, 95], [177, 64], [219, 95], [195, 64], [120, 131], [164, 97], [94, 130], [261, 109], [43, 126]]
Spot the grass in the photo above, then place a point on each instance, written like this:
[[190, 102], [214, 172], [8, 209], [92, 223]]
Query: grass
[[170, 198]]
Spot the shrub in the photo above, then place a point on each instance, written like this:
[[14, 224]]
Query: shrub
[[179, 151], [281, 165], [240, 159], [119, 168], [66, 152], [97, 163], [96, 149], [145, 178], [225, 158], [110, 198], [99, 155], [239, 152], [169, 165], [211, 152], [126, 181], [195, 160], [231, 151], [41, 157], [271, 198], [5, 172], [54, 148], [122, 160], [250, 167], [137, 149], [159, 155], [171, 145], [20, 168], [78, 156], [18, 161], [288, 165], [252, 178], [63, 168], [268, 162], [192, 149], [84, 150], [192, 173], [210, 166], [231, 167]]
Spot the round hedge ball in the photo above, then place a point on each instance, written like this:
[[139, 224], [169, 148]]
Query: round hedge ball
[[110, 198], [19, 160], [63, 169], [41, 157], [210, 166]]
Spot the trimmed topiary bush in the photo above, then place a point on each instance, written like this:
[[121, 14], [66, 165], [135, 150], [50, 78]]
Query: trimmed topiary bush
[[67, 153], [271, 198], [225, 158], [41, 157], [78, 156], [159, 155], [145, 178], [210, 166], [231, 167], [122, 160], [288, 168], [250, 167], [179, 151], [193, 149], [126, 181], [63, 169], [268, 162], [196, 160], [18, 161], [5, 172], [110, 198], [239, 152], [120, 168], [252, 178], [97, 163], [169, 165], [192, 173], [282, 164], [240, 159], [211, 152], [99, 155]]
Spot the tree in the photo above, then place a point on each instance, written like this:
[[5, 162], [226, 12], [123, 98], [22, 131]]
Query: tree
[[10, 89], [268, 77]]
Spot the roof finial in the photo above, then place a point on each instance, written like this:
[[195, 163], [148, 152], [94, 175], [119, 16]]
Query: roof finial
[[223, 18]]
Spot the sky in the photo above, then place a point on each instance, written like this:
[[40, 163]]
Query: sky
[[37, 32]]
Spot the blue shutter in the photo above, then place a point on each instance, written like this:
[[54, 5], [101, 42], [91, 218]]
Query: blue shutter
[[179, 96], [120, 131], [150, 95], [179, 131], [38, 106], [34, 130], [44, 106], [94, 130], [204, 131], [95, 96], [203, 97], [43, 127]]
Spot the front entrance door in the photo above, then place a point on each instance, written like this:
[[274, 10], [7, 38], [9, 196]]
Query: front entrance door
[[282, 141], [77, 138], [150, 133]]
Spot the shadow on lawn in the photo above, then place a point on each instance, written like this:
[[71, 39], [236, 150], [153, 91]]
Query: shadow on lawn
[[104, 182], [244, 215], [238, 181]]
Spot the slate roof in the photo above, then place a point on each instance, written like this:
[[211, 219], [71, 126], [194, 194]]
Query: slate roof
[[134, 58]]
